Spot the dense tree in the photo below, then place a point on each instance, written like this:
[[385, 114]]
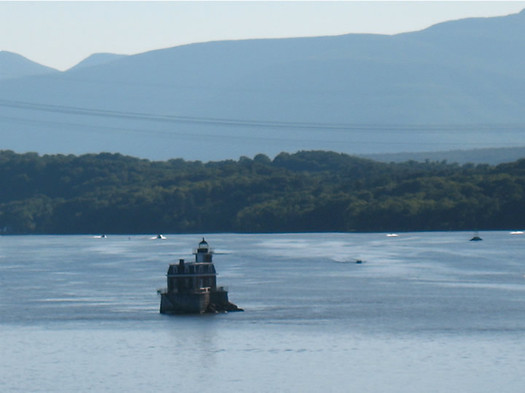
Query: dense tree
[[305, 191]]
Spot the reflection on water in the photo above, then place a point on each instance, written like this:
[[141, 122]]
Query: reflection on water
[[428, 312]]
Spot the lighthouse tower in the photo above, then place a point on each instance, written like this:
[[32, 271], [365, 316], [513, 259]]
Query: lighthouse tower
[[203, 253]]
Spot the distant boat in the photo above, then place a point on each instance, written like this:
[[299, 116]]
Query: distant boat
[[159, 237], [392, 235], [517, 233], [100, 237], [476, 238]]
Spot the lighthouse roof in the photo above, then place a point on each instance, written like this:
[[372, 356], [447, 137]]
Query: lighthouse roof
[[203, 248]]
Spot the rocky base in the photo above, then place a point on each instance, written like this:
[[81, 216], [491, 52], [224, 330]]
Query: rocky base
[[216, 308], [212, 302]]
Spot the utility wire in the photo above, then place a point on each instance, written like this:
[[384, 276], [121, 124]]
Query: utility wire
[[72, 110]]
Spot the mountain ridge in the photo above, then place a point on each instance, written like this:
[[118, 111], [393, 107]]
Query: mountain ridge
[[13, 65], [378, 87], [97, 59]]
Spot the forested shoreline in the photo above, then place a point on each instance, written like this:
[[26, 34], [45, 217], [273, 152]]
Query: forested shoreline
[[310, 191]]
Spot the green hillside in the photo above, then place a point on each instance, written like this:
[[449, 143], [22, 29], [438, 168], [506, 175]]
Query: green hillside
[[302, 192]]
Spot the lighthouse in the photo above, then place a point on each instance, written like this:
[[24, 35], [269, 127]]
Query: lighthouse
[[192, 286]]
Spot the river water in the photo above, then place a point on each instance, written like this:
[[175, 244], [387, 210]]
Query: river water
[[425, 312]]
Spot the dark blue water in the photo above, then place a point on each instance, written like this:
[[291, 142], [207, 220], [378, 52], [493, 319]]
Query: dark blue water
[[425, 312]]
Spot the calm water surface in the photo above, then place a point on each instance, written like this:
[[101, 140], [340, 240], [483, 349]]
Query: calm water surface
[[426, 312]]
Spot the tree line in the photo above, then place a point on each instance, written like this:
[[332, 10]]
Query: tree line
[[309, 191]]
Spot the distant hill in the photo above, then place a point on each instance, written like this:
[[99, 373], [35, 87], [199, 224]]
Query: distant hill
[[477, 156], [456, 85], [302, 192], [97, 59], [16, 66]]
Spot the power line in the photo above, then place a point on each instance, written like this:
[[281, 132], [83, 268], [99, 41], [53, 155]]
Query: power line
[[82, 111], [221, 135]]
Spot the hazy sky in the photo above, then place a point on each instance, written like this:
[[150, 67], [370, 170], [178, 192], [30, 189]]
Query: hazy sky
[[60, 34]]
